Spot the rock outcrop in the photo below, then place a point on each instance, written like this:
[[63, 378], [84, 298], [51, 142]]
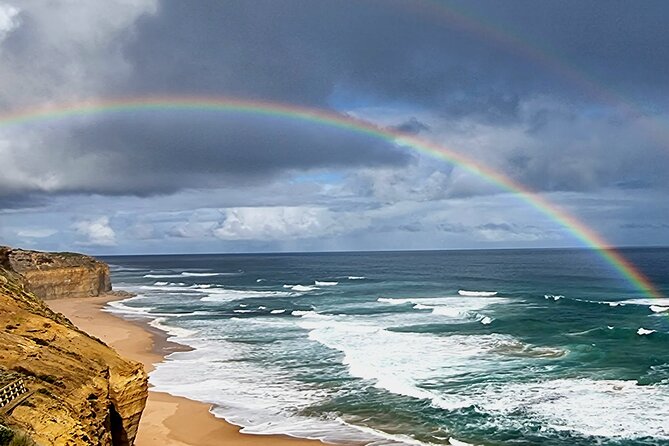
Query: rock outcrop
[[82, 391], [57, 275]]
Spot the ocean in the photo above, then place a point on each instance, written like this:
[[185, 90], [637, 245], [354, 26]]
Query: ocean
[[489, 347]]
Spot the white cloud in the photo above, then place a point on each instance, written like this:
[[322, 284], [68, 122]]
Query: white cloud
[[36, 232], [98, 232], [9, 20], [274, 223], [74, 49]]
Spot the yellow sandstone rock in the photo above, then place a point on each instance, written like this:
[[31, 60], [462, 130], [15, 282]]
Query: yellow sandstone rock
[[82, 391], [57, 275]]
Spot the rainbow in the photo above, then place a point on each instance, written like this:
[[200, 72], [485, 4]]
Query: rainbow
[[260, 108]]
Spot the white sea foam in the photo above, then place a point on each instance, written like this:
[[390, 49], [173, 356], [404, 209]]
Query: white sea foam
[[243, 311], [388, 358], [302, 312], [161, 283], [658, 309], [656, 301], [552, 296], [271, 408], [477, 293], [394, 301], [119, 307], [260, 280], [452, 307], [448, 311], [224, 295], [356, 277], [167, 288], [597, 408], [277, 311], [161, 276], [644, 331], [486, 320], [319, 283], [387, 439], [176, 332], [187, 274], [301, 288], [453, 442]]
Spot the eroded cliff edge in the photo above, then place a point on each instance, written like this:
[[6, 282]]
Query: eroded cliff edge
[[57, 275], [82, 391]]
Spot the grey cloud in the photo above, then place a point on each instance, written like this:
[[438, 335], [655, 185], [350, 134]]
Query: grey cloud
[[329, 54], [412, 126], [304, 51], [164, 152]]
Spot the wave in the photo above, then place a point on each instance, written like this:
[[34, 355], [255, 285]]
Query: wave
[[303, 313], [477, 293], [643, 331], [658, 309], [656, 305], [160, 276], [237, 397], [486, 320], [394, 301], [611, 409], [171, 330], [518, 349], [224, 295], [277, 311], [387, 439], [301, 288], [450, 312], [319, 283], [387, 359], [356, 277], [453, 442], [120, 307], [610, 303], [188, 274], [452, 307]]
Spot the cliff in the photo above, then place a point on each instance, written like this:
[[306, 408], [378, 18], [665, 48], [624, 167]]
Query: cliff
[[57, 275], [81, 391]]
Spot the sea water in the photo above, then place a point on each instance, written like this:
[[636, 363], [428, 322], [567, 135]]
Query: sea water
[[522, 347]]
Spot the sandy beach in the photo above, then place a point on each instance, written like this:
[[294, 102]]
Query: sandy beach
[[167, 420]]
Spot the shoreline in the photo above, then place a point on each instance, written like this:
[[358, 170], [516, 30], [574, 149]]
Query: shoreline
[[167, 419]]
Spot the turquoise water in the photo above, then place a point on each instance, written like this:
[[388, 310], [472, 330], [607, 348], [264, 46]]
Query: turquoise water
[[520, 347]]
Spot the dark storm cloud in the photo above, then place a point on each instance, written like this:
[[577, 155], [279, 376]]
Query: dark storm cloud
[[335, 54], [163, 152], [303, 51]]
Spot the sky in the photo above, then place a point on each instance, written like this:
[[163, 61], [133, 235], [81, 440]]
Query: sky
[[569, 99]]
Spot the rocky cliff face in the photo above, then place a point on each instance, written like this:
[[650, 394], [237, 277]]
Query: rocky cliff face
[[57, 275], [82, 391]]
